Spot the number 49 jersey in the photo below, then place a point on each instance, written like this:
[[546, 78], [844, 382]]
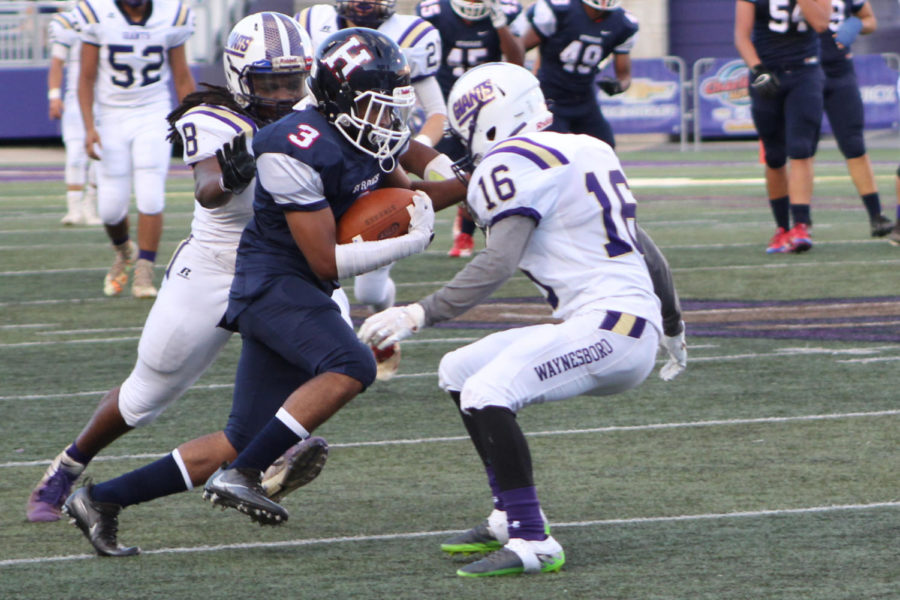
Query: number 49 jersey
[[584, 250], [133, 69]]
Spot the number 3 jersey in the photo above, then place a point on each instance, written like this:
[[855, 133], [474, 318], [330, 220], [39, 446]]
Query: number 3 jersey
[[583, 251], [204, 129], [133, 69]]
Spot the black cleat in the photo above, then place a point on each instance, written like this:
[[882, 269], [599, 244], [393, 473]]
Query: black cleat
[[295, 468], [241, 489], [98, 521], [880, 226]]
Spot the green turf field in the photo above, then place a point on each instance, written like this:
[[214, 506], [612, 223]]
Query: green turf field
[[769, 470]]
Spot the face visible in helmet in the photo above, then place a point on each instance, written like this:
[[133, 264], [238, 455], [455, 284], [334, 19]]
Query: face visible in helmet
[[470, 10], [267, 60], [366, 13], [362, 86]]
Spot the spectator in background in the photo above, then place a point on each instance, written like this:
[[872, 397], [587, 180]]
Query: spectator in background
[[575, 37], [131, 50], [472, 32], [80, 175], [787, 85]]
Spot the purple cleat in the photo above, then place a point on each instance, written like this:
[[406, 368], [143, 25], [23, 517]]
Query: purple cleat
[[48, 496]]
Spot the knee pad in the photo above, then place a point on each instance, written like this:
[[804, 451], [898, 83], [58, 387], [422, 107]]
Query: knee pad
[[76, 167], [853, 145], [801, 149], [150, 191], [113, 197], [775, 157], [146, 394]]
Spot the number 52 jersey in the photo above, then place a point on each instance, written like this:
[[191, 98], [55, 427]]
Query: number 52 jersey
[[133, 69], [583, 251]]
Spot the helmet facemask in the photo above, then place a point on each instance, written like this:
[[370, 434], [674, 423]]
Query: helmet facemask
[[470, 10], [366, 13], [271, 92], [378, 122], [603, 5]]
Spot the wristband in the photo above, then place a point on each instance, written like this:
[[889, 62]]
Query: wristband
[[54, 94], [423, 139]]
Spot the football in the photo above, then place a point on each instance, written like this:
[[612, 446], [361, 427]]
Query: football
[[376, 215]]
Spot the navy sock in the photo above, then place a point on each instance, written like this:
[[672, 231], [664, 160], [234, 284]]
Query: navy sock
[[147, 255], [121, 241], [781, 210], [467, 226], [523, 513], [873, 204], [77, 455], [800, 212], [268, 445], [155, 480]]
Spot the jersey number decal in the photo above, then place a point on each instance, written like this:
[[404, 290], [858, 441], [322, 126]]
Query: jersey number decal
[[304, 137], [190, 139], [150, 72], [461, 60], [504, 188], [581, 58], [619, 242], [782, 18]]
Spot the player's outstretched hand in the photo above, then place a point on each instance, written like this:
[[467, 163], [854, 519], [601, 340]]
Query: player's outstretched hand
[[677, 349], [392, 325], [421, 216], [498, 17], [237, 164]]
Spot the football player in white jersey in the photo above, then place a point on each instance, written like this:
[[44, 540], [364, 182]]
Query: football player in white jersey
[[266, 76], [558, 207], [80, 174], [420, 42], [131, 50]]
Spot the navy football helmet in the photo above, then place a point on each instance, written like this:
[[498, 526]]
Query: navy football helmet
[[361, 84], [366, 13]]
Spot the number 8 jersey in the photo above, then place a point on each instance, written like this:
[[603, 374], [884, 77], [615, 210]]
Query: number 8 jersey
[[133, 69], [584, 249]]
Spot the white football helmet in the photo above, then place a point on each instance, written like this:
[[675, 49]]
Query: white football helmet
[[493, 102], [603, 4], [268, 57], [471, 10]]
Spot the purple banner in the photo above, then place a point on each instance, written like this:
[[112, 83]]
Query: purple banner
[[652, 104], [723, 103]]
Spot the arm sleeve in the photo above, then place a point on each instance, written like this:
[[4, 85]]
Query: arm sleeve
[[429, 95], [484, 274], [663, 285]]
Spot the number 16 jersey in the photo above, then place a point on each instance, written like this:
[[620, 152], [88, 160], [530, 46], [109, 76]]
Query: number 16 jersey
[[133, 68]]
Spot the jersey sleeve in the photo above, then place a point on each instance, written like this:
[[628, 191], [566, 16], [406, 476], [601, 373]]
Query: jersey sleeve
[[542, 18], [205, 128], [512, 9], [421, 43], [182, 26], [90, 23], [293, 185], [629, 37], [62, 34], [495, 194]]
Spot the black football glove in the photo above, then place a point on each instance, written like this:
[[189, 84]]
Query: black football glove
[[610, 86], [237, 164], [764, 81]]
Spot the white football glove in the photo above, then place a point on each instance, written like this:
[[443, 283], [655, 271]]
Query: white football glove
[[677, 349], [498, 17], [421, 216], [392, 325]]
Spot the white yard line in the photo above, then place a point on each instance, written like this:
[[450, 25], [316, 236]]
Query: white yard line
[[751, 514]]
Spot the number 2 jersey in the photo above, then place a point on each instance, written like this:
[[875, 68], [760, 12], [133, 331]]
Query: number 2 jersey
[[133, 69], [204, 129], [418, 39], [583, 251]]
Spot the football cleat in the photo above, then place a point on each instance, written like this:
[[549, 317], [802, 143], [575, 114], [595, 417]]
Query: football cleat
[[518, 556], [801, 241], [73, 217], [46, 500], [894, 236], [463, 245], [98, 521], [117, 276], [880, 226], [142, 286], [295, 468], [478, 539], [780, 242], [387, 362], [240, 489]]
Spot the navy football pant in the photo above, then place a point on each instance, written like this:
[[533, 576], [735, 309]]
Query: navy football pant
[[844, 107]]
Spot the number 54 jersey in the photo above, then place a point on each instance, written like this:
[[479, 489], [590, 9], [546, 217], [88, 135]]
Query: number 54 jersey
[[133, 69], [583, 252]]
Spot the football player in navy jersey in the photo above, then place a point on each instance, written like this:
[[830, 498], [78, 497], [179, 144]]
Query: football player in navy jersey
[[472, 32], [843, 101], [575, 37], [300, 360], [780, 44]]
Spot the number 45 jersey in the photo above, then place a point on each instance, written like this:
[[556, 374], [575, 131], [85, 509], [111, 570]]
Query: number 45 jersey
[[133, 69], [583, 251]]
